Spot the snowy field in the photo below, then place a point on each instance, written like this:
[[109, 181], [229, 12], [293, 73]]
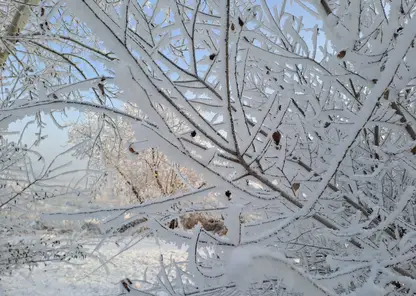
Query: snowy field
[[86, 279]]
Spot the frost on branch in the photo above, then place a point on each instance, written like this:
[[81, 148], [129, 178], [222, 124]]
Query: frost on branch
[[312, 141], [238, 76], [24, 193]]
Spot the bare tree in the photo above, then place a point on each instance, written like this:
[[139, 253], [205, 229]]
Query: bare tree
[[129, 176]]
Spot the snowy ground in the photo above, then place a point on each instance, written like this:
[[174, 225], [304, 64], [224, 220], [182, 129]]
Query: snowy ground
[[85, 280]]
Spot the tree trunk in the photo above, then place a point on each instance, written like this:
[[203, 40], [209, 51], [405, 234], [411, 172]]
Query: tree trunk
[[17, 24]]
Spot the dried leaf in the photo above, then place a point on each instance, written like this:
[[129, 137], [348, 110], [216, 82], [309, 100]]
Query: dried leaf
[[101, 87], [276, 137], [228, 194], [386, 94], [295, 187], [341, 54], [240, 22], [132, 150]]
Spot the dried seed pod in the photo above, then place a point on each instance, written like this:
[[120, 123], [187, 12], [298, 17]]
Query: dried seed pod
[[173, 224], [126, 286]]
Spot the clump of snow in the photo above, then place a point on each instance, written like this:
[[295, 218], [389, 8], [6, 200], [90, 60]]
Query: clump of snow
[[239, 263], [369, 289]]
